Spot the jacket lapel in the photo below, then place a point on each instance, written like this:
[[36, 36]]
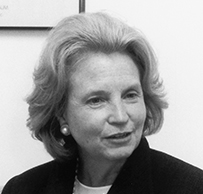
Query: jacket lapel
[[135, 176]]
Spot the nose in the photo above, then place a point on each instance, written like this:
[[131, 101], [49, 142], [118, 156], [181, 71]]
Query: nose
[[118, 114]]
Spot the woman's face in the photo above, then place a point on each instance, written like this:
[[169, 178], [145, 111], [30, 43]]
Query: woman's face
[[106, 110]]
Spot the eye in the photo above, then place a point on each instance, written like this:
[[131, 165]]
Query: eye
[[95, 101], [131, 96]]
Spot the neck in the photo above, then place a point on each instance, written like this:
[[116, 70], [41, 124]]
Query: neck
[[96, 173]]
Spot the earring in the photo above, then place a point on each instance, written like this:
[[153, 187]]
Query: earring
[[62, 142], [65, 130]]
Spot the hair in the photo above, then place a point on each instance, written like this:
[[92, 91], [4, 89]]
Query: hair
[[66, 44]]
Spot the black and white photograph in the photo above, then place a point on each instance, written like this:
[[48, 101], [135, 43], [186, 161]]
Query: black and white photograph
[[101, 97]]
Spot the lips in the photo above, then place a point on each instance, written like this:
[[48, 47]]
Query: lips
[[119, 135]]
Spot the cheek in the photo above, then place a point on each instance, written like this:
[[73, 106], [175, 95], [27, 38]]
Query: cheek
[[139, 116], [83, 127]]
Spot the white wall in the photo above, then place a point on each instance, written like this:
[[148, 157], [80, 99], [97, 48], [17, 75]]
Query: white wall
[[19, 51], [175, 30]]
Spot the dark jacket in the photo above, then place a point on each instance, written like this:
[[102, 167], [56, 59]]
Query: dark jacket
[[145, 172]]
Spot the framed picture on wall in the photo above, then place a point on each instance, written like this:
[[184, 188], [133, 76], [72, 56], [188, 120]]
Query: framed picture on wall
[[37, 13]]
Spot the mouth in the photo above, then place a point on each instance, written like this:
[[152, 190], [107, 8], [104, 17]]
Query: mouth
[[119, 135]]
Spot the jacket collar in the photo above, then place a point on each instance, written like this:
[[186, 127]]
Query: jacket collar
[[135, 176], [62, 178]]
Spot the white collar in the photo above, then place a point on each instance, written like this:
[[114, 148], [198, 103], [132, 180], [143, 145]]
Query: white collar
[[83, 189]]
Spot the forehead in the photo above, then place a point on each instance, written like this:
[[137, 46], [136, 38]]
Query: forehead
[[100, 69], [95, 64]]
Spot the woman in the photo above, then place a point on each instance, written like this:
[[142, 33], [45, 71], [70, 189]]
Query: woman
[[97, 95]]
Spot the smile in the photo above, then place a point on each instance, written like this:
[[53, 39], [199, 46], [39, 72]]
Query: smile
[[119, 135]]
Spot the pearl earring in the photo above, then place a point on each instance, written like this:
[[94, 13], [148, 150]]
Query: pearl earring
[[65, 130]]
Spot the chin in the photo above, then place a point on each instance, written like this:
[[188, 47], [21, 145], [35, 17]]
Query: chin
[[120, 153]]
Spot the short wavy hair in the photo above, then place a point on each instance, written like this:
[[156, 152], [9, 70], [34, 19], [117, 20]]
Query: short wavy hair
[[66, 44]]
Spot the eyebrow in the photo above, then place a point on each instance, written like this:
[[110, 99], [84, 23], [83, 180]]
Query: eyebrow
[[136, 87], [93, 92]]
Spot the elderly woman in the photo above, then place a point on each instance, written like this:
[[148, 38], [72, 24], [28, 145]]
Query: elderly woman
[[97, 95]]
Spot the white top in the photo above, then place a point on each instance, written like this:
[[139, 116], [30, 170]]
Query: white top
[[83, 189]]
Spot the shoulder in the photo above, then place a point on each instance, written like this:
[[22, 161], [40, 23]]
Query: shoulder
[[162, 161], [43, 170], [168, 171], [33, 180]]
